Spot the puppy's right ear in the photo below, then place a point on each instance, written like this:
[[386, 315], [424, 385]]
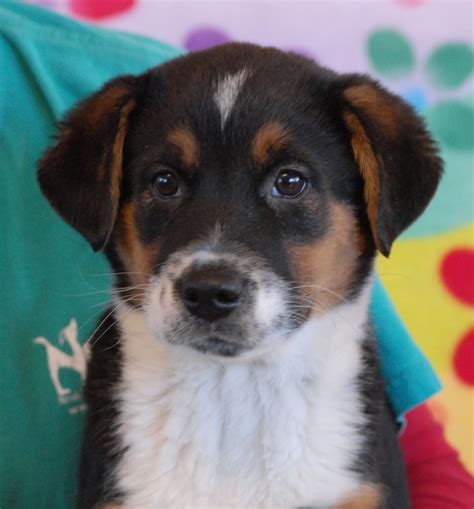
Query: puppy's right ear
[[81, 174]]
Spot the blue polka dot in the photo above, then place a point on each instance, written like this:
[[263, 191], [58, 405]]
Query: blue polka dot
[[416, 97]]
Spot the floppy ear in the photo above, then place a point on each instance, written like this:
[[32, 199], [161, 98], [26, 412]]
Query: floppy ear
[[396, 156], [80, 175]]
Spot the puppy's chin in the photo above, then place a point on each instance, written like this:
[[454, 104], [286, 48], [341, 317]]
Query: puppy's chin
[[217, 346], [226, 348], [259, 324]]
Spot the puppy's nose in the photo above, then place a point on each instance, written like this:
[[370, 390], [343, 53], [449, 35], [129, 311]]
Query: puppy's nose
[[211, 293]]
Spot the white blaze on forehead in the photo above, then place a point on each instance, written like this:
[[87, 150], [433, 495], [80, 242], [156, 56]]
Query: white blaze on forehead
[[228, 89]]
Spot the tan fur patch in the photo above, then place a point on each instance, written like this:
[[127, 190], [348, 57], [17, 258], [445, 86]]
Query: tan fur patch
[[111, 506], [104, 104], [186, 142], [271, 136], [369, 168], [379, 108], [117, 152], [368, 497], [137, 257], [325, 269]]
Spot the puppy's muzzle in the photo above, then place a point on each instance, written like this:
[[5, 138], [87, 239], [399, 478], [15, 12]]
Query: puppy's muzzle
[[211, 293]]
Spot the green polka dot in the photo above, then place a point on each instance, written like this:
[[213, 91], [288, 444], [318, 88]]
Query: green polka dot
[[452, 123], [390, 53], [450, 65], [452, 204]]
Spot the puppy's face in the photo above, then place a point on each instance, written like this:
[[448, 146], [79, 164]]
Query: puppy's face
[[240, 191]]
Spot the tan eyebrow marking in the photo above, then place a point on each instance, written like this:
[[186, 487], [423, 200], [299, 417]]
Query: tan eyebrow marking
[[184, 139], [271, 136]]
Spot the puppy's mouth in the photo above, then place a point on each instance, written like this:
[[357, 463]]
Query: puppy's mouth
[[215, 345], [219, 304]]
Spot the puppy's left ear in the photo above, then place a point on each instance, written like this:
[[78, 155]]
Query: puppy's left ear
[[81, 174], [396, 156]]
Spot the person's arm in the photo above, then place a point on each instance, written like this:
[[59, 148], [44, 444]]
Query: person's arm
[[437, 478]]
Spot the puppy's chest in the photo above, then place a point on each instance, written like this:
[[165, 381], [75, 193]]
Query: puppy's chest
[[237, 435]]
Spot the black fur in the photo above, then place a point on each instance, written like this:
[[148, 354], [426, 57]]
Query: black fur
[[131, 117], [381, 458], [100, 446]]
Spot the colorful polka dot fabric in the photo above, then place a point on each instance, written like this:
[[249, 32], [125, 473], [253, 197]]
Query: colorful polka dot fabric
[[420, 49]]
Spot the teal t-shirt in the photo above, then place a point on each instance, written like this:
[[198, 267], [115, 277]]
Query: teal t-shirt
[[52, 287]]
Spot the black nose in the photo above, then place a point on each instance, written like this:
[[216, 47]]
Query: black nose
[[211, 293]]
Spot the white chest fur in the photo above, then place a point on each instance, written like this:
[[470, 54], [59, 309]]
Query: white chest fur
[[278, 431]]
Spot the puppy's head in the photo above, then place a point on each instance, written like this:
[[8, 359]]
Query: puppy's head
[[240, 191]]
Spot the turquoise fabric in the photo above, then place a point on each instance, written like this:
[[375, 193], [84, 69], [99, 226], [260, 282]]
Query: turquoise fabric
[[52, 286], [48, 273]]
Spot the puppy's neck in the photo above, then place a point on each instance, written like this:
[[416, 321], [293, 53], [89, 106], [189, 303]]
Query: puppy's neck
[[293, 408]]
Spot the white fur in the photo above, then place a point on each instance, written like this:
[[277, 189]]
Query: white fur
[[269, 304], [278, 430], [228, 89]]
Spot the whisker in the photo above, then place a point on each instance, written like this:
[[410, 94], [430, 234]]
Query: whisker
[[111, 274], [119, 336], [295, 286], [102, 322], [108, 290], [94, 315], [103, 303], [325, 310], [134, 296]]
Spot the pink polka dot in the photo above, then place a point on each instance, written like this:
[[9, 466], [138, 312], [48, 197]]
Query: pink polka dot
[[457, 274], [94, 9], [464, 358]]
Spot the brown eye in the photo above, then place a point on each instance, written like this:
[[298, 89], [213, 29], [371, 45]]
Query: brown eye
[[166, 183], [289, 184]]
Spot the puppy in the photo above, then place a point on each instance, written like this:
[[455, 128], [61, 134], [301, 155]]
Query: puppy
[[240, 195]]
